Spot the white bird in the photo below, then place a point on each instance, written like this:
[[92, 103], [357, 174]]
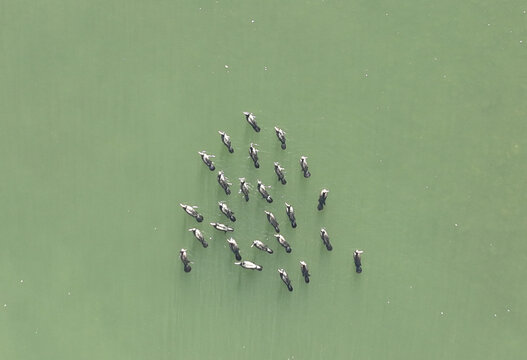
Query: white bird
[[260, 245], [249, 116], [249, 265]]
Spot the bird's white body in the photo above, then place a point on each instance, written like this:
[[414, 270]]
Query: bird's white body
[[249, 265]]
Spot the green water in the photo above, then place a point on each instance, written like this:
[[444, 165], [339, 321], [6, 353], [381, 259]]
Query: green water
[[411, 114]]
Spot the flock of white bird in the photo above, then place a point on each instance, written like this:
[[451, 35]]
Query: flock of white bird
[[262, 189]]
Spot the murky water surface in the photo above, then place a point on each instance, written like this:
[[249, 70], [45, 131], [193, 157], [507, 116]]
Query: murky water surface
[[412, 115]]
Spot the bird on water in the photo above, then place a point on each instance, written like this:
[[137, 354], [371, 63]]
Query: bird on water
[[185, 260], [285, 279], [249, 265], [260, 245], [199, 236], [226, 140], [357, 259], [304, 167], [207, 160], [191, 210], [249, 116], [322, 198]]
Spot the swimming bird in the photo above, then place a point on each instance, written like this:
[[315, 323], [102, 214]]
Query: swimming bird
[[249, 116], [207, 160], [226, 211], [224, 182], [283, 242], [305, 271], [185, 260], [226, 139], [280, 173], [357, 260], [325, 239], [285, 279], [272, 220], [221, 227], [290, 214], [234, 248], [260, 245], [191, 210], [281, 136], [249, 265], [322, 198], [197, 233], [244, 188], [262, 189], [304, 167], [253, 153]]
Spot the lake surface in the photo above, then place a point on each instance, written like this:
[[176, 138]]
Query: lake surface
[[413, 115]]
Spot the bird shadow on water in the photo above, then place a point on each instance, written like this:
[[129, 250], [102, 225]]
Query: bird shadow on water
[[248, 283], [184, 230], [204, 173], [324, 251], [283, 295]]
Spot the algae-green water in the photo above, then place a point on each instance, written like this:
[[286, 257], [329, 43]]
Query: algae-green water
[[412, 114]]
